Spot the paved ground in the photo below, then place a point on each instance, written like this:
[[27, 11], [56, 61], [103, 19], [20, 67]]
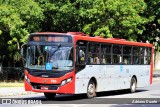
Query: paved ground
[[13, 91], [105, 99]]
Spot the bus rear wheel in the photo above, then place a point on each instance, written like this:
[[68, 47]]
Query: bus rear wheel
[[50, 95], [91, 89], [133, 85]]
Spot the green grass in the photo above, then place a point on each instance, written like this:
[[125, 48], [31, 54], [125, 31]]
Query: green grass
[[11, 84]]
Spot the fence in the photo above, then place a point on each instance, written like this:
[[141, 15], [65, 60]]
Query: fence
[[10, 74]]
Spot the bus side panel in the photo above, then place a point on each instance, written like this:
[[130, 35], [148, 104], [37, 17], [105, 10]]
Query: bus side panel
[[122, 76], [124, 73], [105, 78], [112, 77], [83, 77], [143, 75], [81, 81]]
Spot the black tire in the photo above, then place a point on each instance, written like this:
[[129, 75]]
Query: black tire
[[50, 95], [133, 85], [91, 89]]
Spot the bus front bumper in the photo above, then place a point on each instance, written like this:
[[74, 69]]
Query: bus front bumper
[[64, 89], [62, 85]]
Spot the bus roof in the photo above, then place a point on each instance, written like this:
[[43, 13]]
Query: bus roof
[[86, 37], [83, 36]]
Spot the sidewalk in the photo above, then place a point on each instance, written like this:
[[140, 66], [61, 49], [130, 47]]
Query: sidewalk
[[156, 75], [13, 91]]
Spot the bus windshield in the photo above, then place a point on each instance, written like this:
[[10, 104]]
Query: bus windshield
[[50, 57]]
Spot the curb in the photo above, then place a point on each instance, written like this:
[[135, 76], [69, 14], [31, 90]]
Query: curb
[[156, 79]]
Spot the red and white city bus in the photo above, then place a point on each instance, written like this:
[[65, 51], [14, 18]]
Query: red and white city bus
[[75, 63]]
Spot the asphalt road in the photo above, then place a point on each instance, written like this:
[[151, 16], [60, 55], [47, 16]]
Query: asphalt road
[[144, 97]]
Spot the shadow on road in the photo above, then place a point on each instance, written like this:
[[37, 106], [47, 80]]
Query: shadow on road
[[80, 97], [118, 92], [156, 75], [65, 97], [136, 105]]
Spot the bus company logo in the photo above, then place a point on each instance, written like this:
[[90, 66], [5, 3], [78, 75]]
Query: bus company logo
[[6, 101], [45, 81], [45, 76]]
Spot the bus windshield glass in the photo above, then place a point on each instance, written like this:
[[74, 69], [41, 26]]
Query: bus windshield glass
[[50, 57]]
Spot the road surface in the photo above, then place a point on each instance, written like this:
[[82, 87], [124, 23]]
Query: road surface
[[150, 94]]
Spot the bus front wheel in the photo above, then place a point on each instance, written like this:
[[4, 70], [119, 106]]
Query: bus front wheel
[[50, 95], [91, 89], [133, 85]]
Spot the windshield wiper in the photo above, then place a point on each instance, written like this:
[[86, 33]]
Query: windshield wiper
[[59, 45], [52, 53]]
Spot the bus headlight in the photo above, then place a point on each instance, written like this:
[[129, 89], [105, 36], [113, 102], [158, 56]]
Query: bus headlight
[[69, 79], [66, 81], [27, 79], [63, 82]]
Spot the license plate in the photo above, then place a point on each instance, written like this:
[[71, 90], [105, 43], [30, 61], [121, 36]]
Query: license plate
[[44, 87]]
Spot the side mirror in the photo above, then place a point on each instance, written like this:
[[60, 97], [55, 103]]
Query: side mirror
[[23, 51], [81, 55]]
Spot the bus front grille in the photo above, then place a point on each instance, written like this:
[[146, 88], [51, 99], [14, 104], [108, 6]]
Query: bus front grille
[[48, 86]]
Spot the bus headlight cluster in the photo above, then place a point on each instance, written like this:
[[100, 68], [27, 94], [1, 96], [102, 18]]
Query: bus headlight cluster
[[27, 79], [66, 81]]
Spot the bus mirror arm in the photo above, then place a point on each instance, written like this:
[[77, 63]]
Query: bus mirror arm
[[22, 51]]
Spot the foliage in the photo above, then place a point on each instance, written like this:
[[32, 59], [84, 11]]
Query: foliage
[[152, 28], [134, 20], [17, 19], [116, 18]]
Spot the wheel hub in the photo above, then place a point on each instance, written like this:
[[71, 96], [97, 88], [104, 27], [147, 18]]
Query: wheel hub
[[91, 89]]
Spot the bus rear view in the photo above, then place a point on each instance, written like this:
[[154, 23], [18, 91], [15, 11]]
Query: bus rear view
[[49, 64]]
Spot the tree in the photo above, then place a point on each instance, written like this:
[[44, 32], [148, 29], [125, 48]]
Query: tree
[[135, 20], [152, 31], [115, 18], [17, 19], [60, 16]]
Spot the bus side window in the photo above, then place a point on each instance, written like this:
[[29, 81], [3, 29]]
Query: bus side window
[[81, 52], [136, 60], [127, 52], [136, 55], [147, 55], [81, 56], [106, 53], [117, 54], [96, 60], [93, 53]]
